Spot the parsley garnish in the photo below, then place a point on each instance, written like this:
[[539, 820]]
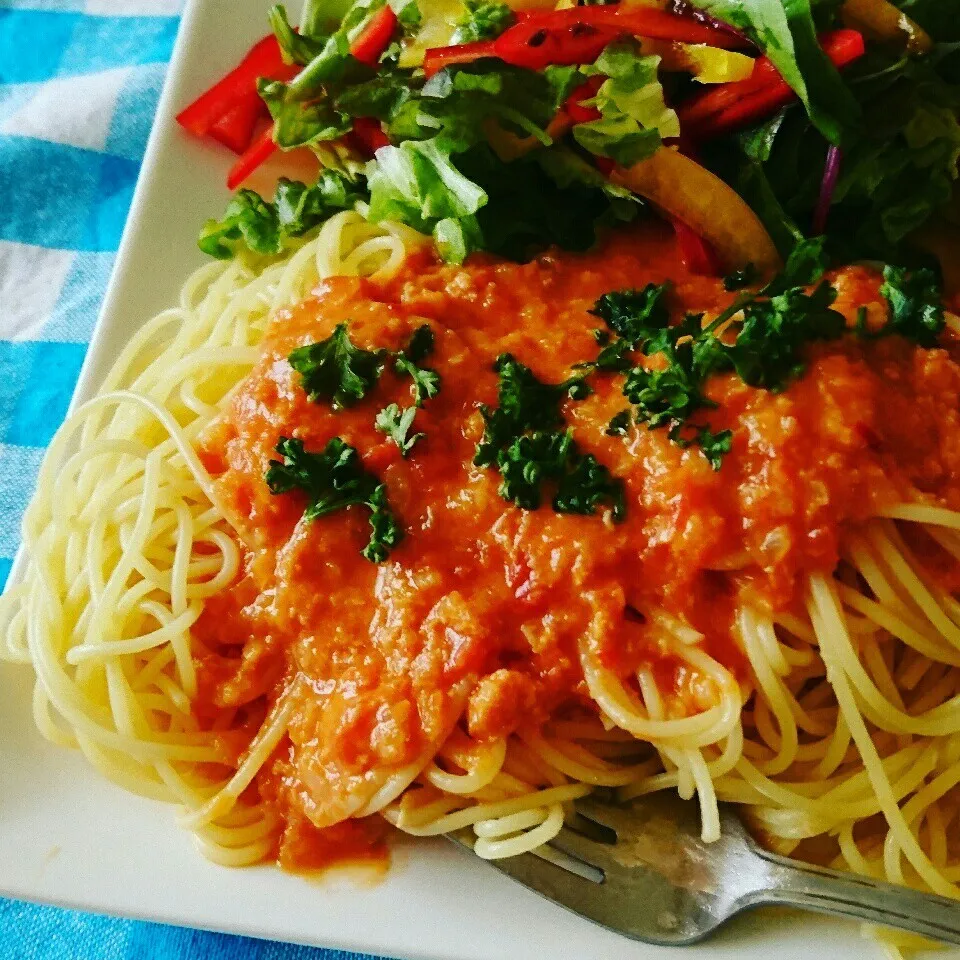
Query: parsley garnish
[[524, 438], [525, 404], [619, 424], [715, 446], [915, 308], [635, 315], [336, 369], [426, 382], [333, 480], [396, 423], [768, 352], [772, 329]]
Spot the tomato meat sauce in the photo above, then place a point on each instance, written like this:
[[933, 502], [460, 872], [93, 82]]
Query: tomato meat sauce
[[476, 620]]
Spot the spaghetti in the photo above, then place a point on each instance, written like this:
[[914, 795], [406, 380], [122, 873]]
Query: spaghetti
[[822, 695]]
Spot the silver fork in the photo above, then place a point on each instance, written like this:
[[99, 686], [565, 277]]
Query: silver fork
[[642, 870]]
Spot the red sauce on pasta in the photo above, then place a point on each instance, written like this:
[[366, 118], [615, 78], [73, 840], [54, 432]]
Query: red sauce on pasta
[[478, 617]]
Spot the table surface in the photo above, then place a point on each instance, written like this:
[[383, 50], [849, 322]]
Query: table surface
[[79, 84]]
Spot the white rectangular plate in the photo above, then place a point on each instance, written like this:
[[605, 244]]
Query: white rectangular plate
[[69, 838]]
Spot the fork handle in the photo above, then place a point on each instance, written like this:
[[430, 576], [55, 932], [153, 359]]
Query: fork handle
[[794, 884]]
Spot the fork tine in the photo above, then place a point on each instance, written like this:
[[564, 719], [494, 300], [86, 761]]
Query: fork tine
[[590, 851], [604, 813], [657, 811]]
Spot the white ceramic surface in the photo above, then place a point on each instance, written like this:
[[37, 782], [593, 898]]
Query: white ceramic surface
[[69, 838]]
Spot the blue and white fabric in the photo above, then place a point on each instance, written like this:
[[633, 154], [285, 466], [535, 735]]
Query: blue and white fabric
[[79, 84]]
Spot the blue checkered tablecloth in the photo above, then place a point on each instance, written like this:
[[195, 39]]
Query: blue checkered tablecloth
[[79, 83]]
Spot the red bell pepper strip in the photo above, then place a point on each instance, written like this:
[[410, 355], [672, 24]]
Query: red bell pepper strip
[[375, 37], [574, 107], [629, 19], [577, 35], [368, 135], [723, 95], [533, 46], [756, 101], [696, 254], [263, 60], [258, 152], [437, 58], [605, 165], [235, 128]]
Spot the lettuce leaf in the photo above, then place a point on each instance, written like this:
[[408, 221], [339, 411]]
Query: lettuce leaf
[[633, 88], [300, 124], [255, 224], [545, 199], [484, 20], [634, 115], [417, 184]]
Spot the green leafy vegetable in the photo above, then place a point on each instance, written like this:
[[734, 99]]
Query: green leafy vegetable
[[408, 14], [396, 423], [381, 96], [297, 47], [301, 208], [457, 104], [807, 263], [336, 370], [524, 404], [671, 395], [786, 32], [772, 326], [248, 221], [899, 165], [421, 344], [333, 480], [618, 137], [524, 438], [255, 224], [300, 124], [768, 352], [484, 20], [614, 356], [715, 446], [634, 115], [417, 183], [916, 311], [333, 61], [531, 205]]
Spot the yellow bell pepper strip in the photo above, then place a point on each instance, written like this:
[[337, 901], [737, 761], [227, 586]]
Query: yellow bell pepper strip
[[881, 20], [707, 64], [715, 211]]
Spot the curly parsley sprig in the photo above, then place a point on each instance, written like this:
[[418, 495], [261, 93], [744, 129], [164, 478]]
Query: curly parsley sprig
[[525, 438], [762, 337], [334, 480]]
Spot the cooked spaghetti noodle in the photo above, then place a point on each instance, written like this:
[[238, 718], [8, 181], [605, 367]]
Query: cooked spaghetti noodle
[[195, 642]]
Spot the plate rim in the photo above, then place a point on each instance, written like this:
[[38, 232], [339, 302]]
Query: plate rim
[[109, 317]]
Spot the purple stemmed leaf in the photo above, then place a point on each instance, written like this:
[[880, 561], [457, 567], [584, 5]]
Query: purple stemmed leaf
[[683, 8], [831, 173]]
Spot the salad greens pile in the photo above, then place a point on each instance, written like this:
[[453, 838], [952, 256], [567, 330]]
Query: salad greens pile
[[899, 160], [469, 149]]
